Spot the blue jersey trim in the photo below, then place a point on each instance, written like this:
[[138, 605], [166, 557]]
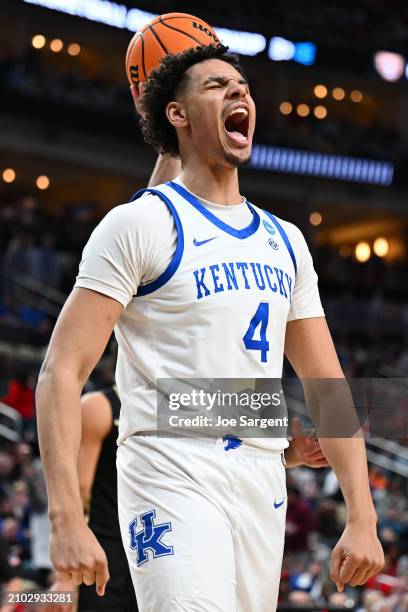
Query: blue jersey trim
[[241, 234], [284, 237], [175, 262]]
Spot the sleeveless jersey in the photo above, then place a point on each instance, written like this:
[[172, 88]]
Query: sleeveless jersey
[[218, 311], [103, 515]]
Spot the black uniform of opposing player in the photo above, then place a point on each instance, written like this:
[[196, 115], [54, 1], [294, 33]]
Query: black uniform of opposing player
[[104, 522]]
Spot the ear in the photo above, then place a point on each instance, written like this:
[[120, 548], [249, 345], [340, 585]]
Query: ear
[[176, 114]]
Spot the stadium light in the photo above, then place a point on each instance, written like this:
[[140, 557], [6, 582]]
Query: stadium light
[[320, 91], [302, 110], [320, 112], [285, 108], [120, 16], [390, 66], [338, 93], [315, 218], [322, 165], [381, 247], [56, 45], [362, 252], [8, 175], [38, 41], [305, 53], [74, 49], [42, 182], [356, 96], [281, 49]]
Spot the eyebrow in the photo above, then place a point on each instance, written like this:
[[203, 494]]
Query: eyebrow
[[222, 80]]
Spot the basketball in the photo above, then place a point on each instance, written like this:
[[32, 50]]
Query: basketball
[[165, 35]]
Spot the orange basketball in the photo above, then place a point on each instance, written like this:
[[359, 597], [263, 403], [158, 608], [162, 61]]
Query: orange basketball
[[165, 35]]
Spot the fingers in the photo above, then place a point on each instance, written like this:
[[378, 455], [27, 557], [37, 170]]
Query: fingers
[[362, 574], [314, 457], [349, 566], [88, 577], [93, 573], [63, 576], [102, 577], [335, 565], [367, 568], [76, 577]]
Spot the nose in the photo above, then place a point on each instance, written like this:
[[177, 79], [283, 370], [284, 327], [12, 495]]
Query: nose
[[236, 90]]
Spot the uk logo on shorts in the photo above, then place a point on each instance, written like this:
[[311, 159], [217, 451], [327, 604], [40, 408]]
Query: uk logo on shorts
[[149, 538]]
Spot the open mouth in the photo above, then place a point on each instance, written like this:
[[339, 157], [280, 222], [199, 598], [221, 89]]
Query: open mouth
[[237, 125]]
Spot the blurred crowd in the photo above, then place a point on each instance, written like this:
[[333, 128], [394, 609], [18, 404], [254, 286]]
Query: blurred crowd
[[32, 78], [31, 75], [315, 515]]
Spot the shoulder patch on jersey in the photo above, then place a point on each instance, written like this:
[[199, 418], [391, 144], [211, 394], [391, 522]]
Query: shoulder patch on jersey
[[269, 228]]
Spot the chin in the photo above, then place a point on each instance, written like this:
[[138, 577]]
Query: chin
[[236, 160]]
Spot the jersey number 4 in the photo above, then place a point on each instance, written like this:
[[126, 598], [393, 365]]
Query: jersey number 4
[[260, 318]]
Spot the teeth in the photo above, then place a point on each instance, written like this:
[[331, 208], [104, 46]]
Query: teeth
[[238, 110]]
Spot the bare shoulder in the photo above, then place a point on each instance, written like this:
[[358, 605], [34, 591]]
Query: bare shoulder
[[96, 415]]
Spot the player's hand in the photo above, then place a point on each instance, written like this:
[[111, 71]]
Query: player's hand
[[77, 555], [305, 450], [357, 556]]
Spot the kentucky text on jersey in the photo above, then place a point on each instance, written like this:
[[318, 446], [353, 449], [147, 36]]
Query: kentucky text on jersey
[[240, 275]]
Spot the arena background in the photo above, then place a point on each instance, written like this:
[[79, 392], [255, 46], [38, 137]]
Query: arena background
[[330, 80]]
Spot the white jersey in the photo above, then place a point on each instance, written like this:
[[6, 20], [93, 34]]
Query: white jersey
[[218, 310]]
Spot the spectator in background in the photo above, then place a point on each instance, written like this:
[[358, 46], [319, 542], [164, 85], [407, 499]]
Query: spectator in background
[[20, 396], [300, 522], [300, 599], [47, 268], [308, 581], [341, 600], [33, 475]]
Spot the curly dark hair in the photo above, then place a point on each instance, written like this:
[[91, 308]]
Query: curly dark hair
[[161, 87]]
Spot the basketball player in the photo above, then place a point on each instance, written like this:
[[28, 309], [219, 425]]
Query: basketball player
[[194, 287]]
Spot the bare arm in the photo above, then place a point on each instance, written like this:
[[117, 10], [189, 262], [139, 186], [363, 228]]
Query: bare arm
[[78, 341], [166, 169], [309, 348]]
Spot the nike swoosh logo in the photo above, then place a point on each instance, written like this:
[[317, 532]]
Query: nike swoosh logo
[[200, 242], [279, 504]]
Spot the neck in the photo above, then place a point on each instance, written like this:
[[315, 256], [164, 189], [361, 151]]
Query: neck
[[215, 183]]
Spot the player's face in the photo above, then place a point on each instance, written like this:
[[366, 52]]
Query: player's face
[[221, 111]]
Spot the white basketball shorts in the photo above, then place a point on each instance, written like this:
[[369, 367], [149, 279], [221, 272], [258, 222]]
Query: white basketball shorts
[[203, 527]]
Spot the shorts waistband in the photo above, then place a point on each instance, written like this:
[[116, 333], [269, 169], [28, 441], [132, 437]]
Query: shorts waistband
[[217, 443]]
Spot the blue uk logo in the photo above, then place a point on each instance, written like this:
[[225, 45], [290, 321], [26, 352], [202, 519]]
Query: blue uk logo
[[149, 538], [231, 442]]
